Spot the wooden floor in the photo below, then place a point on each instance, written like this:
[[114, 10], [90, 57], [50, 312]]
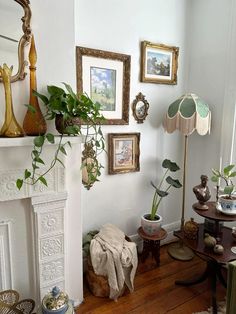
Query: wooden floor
[[155, 291]]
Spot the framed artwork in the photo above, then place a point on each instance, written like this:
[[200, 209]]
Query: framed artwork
[[140, 108], [105, 77], [123, 152], [159, 63]]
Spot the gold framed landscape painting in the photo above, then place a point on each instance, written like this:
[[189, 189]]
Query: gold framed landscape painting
[[159, 63], [123, 152], [105, 77]]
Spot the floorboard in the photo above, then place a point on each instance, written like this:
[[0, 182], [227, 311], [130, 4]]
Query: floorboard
[[155, 291]]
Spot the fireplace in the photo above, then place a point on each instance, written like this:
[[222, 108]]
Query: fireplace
[[40, 227]]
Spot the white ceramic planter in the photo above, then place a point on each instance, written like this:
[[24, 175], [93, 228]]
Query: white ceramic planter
[[228, 206], [151, 227]]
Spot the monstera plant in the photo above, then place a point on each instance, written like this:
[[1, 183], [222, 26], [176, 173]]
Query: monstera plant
[[151, 223], [74, 114]]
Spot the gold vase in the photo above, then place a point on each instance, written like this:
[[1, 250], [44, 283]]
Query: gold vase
[[11, 127], [34, 122]]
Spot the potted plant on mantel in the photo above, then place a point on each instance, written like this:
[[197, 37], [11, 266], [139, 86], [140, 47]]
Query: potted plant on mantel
[[227, 200], [151, 223], [74, 115]]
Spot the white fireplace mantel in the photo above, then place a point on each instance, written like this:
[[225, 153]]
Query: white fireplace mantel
[[54, 213]]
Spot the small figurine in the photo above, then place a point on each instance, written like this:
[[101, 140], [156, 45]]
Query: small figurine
[[218, 249], [202, 193], [209, 241], [191, 229]]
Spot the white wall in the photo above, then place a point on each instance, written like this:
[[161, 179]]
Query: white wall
[[210, 70], [120, 26]]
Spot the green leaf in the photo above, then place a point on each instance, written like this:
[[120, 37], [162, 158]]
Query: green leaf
[[214, 178], [70, 90], [54, 90], [35, 167], [229, 189], [41, 96], [168, 164], [173, 182], [39, 141], [60, 162], [27, 174], [43, 180], [19, 183], [35, 153], [39, 160], [31, 108], [62, 149], [50, 137], [228, 169], [161, 193], [70, 129], [233, 174], [216, 172]]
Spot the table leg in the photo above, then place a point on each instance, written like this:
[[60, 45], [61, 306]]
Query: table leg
[[146, 250], [156, 251], [213, 292]]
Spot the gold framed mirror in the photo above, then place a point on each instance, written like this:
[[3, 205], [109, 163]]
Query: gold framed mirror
[[140, 108], [15, 34]]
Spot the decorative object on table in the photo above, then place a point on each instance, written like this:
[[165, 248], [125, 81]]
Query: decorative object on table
[[55, 302], [105, 77], [18, 39], [67, 112], [187, 114], [140, 108], [151, 223], [11, 127], [34, 122], [159, 63], [191, 229], [123, 152], [202, 193], [227, 201], [114, 257], [10, 304], [209, 241], [218, 249]]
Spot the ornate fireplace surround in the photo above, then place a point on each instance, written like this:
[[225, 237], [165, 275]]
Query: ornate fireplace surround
[[54, 212]]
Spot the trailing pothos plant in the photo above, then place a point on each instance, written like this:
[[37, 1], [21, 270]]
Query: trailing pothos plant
[[77, 114]]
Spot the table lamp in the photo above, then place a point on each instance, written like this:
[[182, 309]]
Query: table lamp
[[187, 114]]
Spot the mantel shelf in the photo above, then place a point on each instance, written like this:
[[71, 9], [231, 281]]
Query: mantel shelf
[[28, 141]]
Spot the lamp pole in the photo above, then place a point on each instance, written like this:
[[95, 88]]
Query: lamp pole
[[184, 179]]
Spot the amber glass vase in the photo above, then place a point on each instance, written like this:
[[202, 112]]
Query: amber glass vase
[[34, 122], [11, 127]]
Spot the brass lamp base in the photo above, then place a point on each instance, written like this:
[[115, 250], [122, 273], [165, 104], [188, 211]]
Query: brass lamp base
[[180, 252]]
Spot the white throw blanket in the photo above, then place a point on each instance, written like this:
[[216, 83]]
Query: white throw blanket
[[114, 257]]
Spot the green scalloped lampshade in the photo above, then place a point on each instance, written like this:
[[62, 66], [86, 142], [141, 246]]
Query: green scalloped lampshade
[[187, 114]]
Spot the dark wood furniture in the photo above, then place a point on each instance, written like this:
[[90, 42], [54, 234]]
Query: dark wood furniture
[[214, 261], [213, 214], [151, 244]]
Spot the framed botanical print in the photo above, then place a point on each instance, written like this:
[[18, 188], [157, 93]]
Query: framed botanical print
[[123, 152], [105, 77], [159, 63]]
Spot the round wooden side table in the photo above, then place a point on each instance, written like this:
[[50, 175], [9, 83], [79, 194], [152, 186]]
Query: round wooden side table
[[151, 244]]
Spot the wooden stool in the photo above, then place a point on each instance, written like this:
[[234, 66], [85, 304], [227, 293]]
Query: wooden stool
[[151, 244]]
